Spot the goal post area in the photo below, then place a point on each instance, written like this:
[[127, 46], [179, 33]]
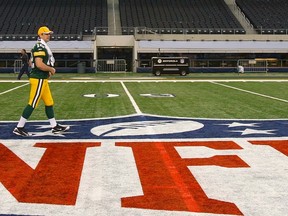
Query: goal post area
[[252, 65]]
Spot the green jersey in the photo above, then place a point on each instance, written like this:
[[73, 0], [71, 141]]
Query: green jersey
[[39, 51]]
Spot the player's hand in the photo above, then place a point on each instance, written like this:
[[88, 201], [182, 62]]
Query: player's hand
[[52, 71]]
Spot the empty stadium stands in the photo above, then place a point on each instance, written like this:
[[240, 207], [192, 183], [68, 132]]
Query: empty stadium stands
[[71, 19], [267, 16], [65, 17], [181, 16]]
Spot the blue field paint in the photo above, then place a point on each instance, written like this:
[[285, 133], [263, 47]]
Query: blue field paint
[[152, 127]]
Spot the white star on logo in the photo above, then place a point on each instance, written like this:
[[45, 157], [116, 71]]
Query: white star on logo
[[238, 124], [252, 131]]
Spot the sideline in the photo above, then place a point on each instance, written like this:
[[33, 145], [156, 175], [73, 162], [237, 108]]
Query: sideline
[[139, 79], [1, 93], [250, 92], [136, 107]]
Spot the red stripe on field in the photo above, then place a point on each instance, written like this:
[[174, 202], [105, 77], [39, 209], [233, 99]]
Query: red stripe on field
[[279, 145], [56, 178], [167, 182]]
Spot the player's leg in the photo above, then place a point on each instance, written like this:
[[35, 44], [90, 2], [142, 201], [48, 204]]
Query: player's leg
[[26, 70], [49, 104], [36, 88], [36, 91], [22, 70]]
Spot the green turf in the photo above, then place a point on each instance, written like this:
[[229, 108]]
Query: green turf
[[192, 99], [7, 86], [271, 88], [207, 100], [70, 102], [118, 75]]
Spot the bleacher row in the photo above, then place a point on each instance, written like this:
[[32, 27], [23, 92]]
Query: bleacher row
[[267, 16], [71, 19], [171, 16], [65, 17]]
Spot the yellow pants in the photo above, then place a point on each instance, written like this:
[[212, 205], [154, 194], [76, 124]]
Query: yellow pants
[[40, 90]]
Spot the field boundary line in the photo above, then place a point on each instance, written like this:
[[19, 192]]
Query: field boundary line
[[136, 107], [250, 92], [1, 93], [89, 80]]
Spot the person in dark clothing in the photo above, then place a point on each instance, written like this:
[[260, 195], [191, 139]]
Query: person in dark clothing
[[25, 62]]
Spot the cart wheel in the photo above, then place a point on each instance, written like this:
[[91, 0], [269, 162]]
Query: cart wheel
[[158, 73], [183, 73]]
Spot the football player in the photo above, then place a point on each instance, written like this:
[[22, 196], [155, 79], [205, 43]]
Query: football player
[[42, 68]]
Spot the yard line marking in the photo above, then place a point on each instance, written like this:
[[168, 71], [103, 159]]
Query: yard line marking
[[137, 109], [1, 93], [149, 79], [250, 92]]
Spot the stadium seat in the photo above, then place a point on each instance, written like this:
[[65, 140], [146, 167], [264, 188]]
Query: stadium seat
[[76, 16], [169, 15], [268, 17]]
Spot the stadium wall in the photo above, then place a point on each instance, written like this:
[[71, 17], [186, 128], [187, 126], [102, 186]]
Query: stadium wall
[[155, 43]]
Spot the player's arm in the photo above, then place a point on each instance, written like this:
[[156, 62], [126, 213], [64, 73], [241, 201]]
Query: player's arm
[[42, 66], [30, 63]]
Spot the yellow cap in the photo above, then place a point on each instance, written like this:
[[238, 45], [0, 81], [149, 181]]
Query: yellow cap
[[44, 30]]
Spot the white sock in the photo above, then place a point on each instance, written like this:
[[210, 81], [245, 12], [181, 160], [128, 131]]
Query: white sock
[[21, 122], [53, 122]]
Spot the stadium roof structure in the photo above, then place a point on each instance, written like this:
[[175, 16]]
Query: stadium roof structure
[[56, 46], [214, 46]]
